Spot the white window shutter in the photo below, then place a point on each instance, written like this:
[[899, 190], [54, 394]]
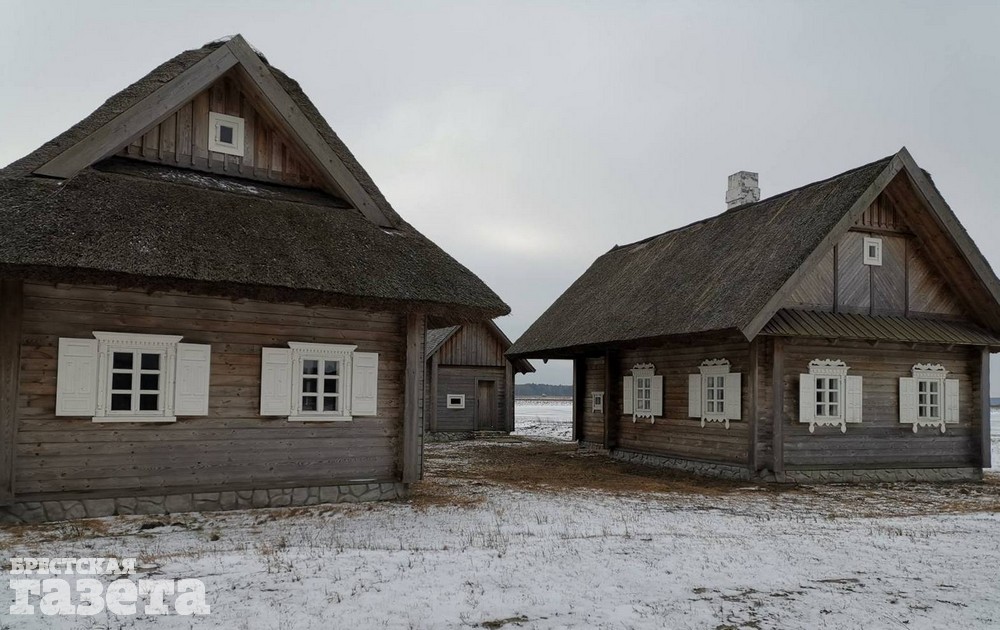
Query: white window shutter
[[694, 395], [194, 365], [733, 405], [855, 401], [628, 394], [951, 409], [807, 398], [656, 397], [908, 400], [76, 379], [364, 384], [276, 382]]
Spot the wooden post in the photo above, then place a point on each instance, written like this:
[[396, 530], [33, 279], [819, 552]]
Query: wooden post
[[11, 313], [431, 406], [579, 387], [984, 387], [411, 449], [611, 413], [778, 403], [754, 393], [511, 376]]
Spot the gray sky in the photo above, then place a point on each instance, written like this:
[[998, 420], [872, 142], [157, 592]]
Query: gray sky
[[528, 138]]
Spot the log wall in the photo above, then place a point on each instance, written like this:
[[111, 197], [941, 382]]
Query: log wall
[[233, 447]]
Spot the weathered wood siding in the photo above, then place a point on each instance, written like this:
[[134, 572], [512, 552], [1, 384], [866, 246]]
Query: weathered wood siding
[[592, 426], [11, 314], [473, 344], [462, 380], [677, 435], [182, 139], [906, 283], [233, 447], [880, 441]]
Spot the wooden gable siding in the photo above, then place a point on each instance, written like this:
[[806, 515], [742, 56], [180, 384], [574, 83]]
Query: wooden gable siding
[[591, 428], [675, 434], [906, 282], [880, 441], [473, 344], [233, 447], [182, 140]]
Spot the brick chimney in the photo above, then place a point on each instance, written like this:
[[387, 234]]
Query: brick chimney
[[742, 189]]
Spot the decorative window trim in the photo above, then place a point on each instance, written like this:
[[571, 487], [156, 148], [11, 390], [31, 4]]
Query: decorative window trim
[[455, 401], [597, 402], [947, 393], [876, 259], [849, 400], [215, 143], [642, 371], [302, 352], [165, 346]]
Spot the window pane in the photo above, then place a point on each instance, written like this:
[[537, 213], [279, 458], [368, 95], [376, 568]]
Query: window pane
[[720, 394], [331, 368], [330, 403], [308, 403], [933, 386], [833, 397], [121, 381], [121, 402], [820, 397], [149, 382], [922, 412], [921, 386], [834, 383], [225, 134], [147, 402], [833, 411], [310, 385], [819, 410], [150, 361], [330, 387], [122, 361], [720, 407], [310, 366]]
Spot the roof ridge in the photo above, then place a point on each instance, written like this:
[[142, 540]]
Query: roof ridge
[[732, 211]]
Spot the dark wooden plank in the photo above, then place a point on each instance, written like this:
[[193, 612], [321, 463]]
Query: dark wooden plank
[[777, 403], [612, 399], [411, 447], [10, 348], [753, 391], [985, 438], [579, 393], [435, 367]]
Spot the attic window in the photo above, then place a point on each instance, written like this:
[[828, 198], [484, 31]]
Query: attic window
[[225, 134], [873, 251]]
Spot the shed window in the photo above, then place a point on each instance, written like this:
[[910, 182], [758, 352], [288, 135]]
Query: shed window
[[598, 402], [225, 134], [456, 401], [873, 251], [122, 377]]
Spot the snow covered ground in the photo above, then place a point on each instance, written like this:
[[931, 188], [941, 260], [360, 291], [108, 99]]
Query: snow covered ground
[[532, 533], [546, 418]]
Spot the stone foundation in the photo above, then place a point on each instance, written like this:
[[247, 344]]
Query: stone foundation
[[708, 469], [41, 511], [883, 475], [445, 436]]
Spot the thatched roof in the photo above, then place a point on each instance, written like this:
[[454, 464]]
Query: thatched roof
[[156, 226], [716, 274]]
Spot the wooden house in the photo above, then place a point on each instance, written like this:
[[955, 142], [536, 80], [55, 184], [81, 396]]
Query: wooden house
[[840, 331], [206, 303], [470, 381]]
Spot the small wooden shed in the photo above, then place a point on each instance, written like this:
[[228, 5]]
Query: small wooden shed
[[470, 381], [840, 331]]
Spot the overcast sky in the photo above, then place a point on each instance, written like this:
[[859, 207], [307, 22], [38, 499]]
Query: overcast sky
[[528, 138]]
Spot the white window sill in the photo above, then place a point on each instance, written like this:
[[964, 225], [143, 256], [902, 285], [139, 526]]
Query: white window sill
[[320, 419], [135, 419]]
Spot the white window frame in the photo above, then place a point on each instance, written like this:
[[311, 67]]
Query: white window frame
[[597, 402], [460, 398], [642, 374], [302, 352], [927, 374], [714, 369], [829, 369], [108, 343], [215, 143], [876, 260]]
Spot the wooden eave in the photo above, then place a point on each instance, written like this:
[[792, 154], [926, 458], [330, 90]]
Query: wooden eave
[[262, 86]]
